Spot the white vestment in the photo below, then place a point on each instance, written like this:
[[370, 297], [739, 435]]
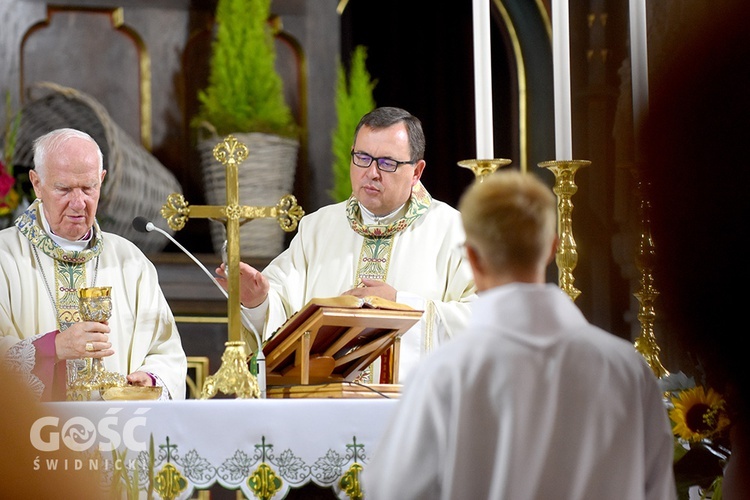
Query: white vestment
[[533, 402], [426, 267], [143, 333]]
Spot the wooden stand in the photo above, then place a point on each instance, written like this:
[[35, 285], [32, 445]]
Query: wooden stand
[[337, 390], [322, 349]]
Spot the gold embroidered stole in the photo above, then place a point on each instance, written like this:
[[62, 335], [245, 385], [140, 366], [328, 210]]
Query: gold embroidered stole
[[378, 239], [376, 250], [69, 266], [69, 278]]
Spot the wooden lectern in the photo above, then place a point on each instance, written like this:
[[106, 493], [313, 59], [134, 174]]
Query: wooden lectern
[[324, 347]]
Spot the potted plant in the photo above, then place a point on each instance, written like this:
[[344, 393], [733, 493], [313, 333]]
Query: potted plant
[[245, 98], [353, 100]]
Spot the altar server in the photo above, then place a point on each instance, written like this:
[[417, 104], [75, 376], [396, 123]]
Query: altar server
[[390, 239], [532, 402], [55, 248]]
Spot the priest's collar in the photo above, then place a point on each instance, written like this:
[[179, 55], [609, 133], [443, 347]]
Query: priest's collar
[[32, 225], [397, 221], [369, 218]]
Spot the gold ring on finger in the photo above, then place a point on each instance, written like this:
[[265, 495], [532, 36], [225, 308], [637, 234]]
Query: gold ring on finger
[[89, 346]]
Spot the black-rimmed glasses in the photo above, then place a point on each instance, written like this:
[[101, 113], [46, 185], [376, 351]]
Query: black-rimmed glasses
[[363, 160]]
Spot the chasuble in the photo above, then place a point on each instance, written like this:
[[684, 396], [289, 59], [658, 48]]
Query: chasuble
[[421, 258], [37, 299]]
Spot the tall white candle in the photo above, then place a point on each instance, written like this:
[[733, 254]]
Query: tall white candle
[[638, 61], [561, 80], [483, 79]]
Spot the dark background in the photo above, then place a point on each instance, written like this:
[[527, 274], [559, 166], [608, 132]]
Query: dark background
[[422, 61]]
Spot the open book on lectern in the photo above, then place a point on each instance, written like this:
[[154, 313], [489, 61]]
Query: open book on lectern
[[334, 339]]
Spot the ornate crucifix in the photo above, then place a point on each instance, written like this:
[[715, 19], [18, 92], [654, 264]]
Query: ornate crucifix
[[233, 376]]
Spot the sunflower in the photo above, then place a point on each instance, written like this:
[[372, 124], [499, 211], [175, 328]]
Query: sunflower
[[698, 414]]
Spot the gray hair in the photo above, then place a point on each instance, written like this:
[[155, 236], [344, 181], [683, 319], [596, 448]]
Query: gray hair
[[51, 142]]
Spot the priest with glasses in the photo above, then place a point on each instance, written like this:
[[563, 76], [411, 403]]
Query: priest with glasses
[[390, 239]]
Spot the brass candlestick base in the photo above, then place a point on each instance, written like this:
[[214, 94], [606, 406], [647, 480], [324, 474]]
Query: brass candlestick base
[[565, 187], [94, 304], [233, 376], [482, 168]]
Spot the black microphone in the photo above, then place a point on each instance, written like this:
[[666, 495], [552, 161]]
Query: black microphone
[[142, 225]]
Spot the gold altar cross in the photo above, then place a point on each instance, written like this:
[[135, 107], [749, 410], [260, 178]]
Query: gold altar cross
[[230, 153]]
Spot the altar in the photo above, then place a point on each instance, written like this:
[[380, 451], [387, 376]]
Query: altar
[[262, 447]]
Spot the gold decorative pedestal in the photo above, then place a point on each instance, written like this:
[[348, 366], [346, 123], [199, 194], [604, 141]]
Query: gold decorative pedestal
[[233, 376], [565, 187], [482, 168], [94, 304]]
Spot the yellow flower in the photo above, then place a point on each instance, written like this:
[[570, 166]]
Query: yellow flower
[[698, 414]]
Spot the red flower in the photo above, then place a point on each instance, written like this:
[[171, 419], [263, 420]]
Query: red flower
[[6, 182]]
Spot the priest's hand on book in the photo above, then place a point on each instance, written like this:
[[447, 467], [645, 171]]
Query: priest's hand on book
[[376, 288]]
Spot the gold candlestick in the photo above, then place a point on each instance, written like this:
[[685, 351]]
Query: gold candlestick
[[565, 187], [482, 168], [646, 342]]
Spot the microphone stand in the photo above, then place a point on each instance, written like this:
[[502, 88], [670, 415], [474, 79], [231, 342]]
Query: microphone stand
[[142, 225]]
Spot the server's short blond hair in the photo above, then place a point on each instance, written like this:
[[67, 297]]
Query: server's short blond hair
[[510, 218]]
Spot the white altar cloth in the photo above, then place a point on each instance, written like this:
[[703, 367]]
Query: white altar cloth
[[268, 445]]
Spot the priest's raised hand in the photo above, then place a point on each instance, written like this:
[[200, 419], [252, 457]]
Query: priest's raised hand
[[253, 285]]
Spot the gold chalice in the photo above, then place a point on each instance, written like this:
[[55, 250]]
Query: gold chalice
[[94, 304]]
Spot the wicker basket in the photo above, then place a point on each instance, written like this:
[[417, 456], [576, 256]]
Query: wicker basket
[[137, 184], [264, 177]]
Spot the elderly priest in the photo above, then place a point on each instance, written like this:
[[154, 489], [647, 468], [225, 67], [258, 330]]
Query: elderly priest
[[56, 248]]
